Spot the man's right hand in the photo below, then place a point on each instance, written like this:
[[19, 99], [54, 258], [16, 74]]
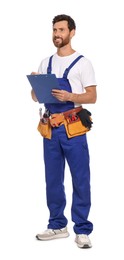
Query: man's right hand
[[34, 73]]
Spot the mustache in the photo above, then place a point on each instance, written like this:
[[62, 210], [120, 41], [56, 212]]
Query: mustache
[[55, 38]]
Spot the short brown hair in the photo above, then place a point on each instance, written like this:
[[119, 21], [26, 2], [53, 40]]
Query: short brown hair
[[64, 17]]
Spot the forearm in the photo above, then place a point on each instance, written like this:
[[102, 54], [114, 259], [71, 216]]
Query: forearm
[[32, 92], [84, 98], [88, 97], [33, 95]]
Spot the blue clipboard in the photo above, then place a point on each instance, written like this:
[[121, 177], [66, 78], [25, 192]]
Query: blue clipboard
[[42, 84]]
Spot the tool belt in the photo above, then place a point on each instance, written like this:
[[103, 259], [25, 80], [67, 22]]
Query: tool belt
[[73, 124], [70, 119], [44, 128]]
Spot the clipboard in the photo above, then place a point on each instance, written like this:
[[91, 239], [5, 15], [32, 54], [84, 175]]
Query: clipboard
[[42, 84]]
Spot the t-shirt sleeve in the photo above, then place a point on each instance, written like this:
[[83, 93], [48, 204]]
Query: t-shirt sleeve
[[88, 74], [43, 66], [40, 70]]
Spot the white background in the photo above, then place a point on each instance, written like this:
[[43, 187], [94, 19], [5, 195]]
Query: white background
[[25, 39]]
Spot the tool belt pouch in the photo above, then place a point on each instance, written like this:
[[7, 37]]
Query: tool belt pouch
[[56, 120], [75, 128], [44, 129], [85, 117]]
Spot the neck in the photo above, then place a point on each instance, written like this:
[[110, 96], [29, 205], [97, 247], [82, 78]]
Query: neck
[[65, 51]]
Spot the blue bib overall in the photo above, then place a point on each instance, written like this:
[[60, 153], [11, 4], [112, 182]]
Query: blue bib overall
[[64, 85], [75, 151]]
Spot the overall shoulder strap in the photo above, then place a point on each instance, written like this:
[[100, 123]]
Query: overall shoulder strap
[[71, 65], [49, 68]]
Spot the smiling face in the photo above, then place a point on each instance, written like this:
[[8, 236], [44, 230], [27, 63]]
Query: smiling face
[[61, 34]]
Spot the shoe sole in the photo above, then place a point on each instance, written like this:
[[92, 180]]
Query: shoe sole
[[53, 237], [84, 246]]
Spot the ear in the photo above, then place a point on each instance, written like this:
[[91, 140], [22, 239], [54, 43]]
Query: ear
[[72, 33]]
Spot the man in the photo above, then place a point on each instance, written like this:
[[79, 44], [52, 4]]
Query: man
[[67, 140]]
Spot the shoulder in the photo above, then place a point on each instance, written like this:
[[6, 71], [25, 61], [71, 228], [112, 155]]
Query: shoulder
[[44, 61], [85, 64], [85, 61], [43, 65]]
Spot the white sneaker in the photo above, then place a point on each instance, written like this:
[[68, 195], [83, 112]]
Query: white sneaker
[[83, 241], [53, 233]]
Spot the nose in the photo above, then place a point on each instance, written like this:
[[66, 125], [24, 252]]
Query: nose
[[56, 33]]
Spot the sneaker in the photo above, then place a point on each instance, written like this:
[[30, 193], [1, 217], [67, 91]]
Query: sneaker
[[52, 234], [83, 241]]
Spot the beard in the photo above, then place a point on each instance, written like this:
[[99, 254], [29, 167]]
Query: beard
[[59, 42]]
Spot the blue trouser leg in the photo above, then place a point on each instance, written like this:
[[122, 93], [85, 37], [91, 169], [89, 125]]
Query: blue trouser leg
[[77, 156], [54, 173], [75, 150]]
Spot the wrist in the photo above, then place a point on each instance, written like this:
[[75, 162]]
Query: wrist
[[73, 97], [70, 97]]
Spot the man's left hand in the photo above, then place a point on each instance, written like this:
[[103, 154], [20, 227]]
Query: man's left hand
[[61, 95]]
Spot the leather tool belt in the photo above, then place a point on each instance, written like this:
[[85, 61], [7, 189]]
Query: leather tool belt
[[70, 119]]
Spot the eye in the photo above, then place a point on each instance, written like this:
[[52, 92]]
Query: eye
[[54, 29]]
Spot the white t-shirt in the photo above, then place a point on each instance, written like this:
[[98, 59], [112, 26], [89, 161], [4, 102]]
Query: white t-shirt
[[80, 76]]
